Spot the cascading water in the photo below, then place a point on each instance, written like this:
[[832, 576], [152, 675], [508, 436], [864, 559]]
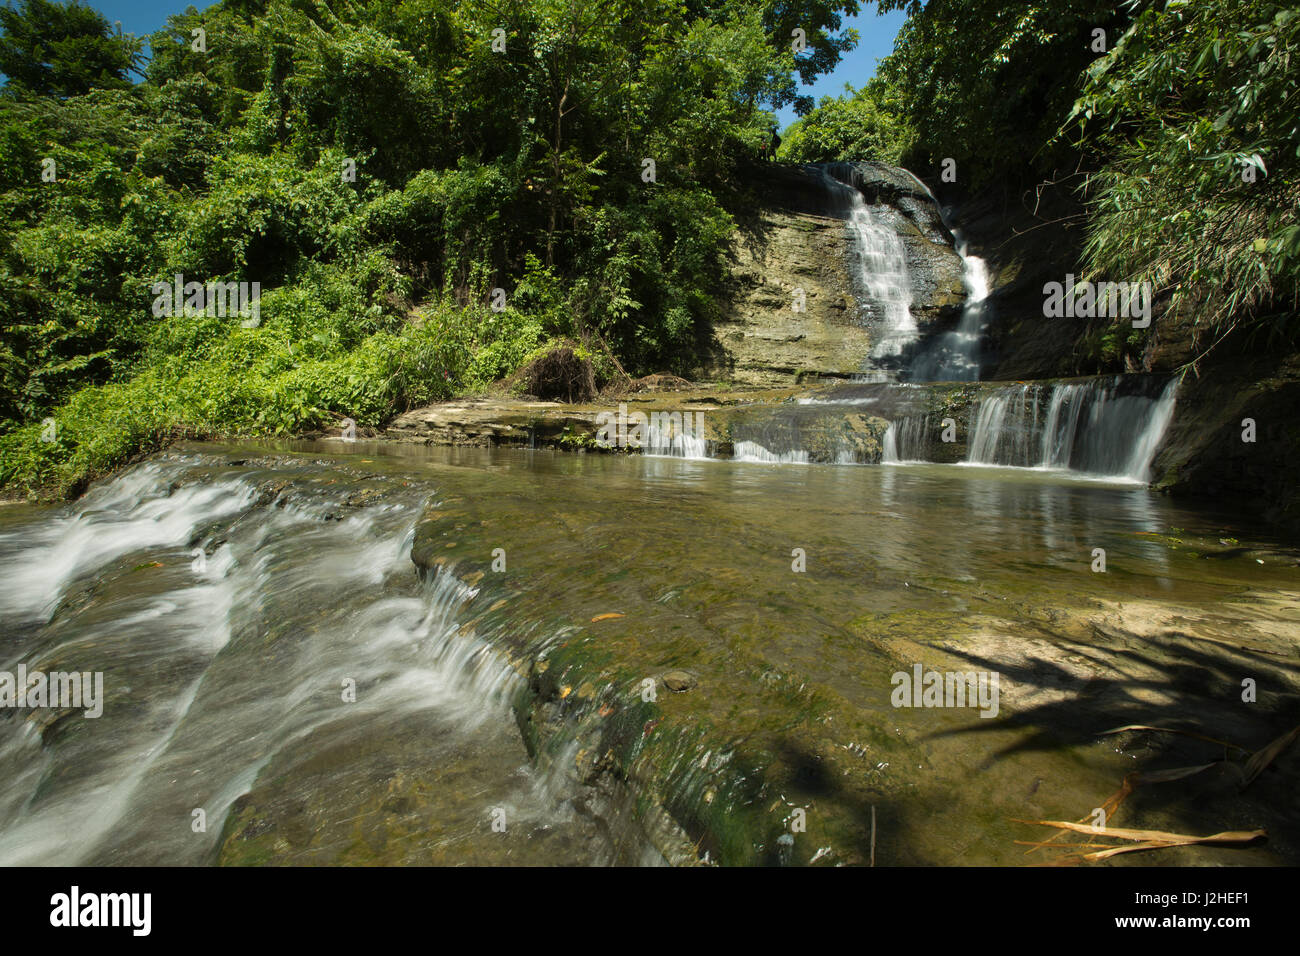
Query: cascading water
[[227, 611], [1093, 427], [753, 452], [223, 673], [1005, 428], [905, 440], [675, 441], [879, 270], [954, 356]]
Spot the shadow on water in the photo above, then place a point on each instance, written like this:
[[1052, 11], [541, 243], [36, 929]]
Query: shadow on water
[[1176, 682], [633, 567]]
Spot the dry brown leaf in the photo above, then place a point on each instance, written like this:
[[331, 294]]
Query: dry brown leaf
[[1166, 776], [1172, 730], [1109, 806], [1230, 836], [1261, 758], [1152, 836]]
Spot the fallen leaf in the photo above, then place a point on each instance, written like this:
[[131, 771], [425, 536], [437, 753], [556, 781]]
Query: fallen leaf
[[1172, 730], [1156, 837], [1261, 758]]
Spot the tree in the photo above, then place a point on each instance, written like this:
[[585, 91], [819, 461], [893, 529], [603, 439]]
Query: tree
[[1197, 111], [56, 49], [379, 167], [987, 83], [856, 126]]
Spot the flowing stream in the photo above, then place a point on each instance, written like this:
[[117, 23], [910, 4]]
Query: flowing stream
[[231, 596], [258, 624], [351, 653]]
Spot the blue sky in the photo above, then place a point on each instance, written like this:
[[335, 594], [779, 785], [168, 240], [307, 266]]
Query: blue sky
[[142, 17], [876, 39]]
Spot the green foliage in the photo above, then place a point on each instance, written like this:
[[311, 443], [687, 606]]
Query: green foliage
[[821, 22], [1196, 110], [1185, 129], [652, 269], [58, 49], [861, 125], [986, 83], [378, 169]]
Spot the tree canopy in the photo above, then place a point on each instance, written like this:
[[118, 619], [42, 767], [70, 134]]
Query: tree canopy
[[379, 168], [57, 49]]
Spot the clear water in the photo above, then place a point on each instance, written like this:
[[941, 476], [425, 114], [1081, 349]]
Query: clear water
[[224, 676]]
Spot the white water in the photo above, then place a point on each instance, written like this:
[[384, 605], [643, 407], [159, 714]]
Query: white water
[[889, 449], [954, 356], [905, 440], [879, 270], [214, 666], [754, 452], [1087, 427], [675, 443], [131, 514]]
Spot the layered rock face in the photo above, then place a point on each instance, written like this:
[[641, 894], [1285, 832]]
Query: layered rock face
[[1236, 440], [835, 263], [761, 340], [796, 307]]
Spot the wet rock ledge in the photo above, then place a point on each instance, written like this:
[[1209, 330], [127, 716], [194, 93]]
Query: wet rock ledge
[[838, 422]]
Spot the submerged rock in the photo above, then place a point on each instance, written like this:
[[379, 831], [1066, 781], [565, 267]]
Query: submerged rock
[[680, 681]]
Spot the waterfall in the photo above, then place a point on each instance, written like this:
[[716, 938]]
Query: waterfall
[[1153, 433], [1100, 427], [754, 452], [905, 440], [1005, 428], [675, 442], [228, 601], [954, 356], [879, 270]]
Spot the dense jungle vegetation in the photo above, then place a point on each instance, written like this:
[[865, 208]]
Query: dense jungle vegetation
[[380, 167]]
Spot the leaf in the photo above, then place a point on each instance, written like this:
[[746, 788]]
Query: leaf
[[1171, 730], [1156, 836], [1261, 758], [1148, 839], [1227, 837]]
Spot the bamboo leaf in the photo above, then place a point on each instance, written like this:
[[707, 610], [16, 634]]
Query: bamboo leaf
[[1266, 755]]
